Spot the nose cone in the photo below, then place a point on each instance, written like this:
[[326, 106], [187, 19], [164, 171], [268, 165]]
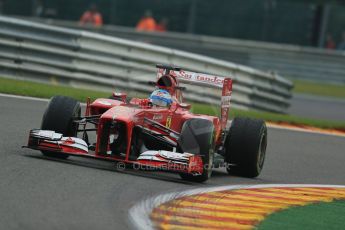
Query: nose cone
[[122, 113]]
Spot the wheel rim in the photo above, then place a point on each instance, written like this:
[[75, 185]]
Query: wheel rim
[[210, 164], [74, 127], [262, 151]]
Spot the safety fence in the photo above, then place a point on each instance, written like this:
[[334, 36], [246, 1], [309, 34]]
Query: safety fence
[[40, 52], [294, 62]]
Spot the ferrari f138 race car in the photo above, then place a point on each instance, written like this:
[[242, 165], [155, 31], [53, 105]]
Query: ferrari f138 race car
[[158, 133]]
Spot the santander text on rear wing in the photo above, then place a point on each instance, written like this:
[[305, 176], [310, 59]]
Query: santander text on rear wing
[[197, 78]]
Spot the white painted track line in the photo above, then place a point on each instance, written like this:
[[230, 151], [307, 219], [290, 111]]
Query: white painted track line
[[24, 97], [29, 98]]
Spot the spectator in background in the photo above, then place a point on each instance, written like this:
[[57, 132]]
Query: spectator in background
[[39, 8], [162, 26], [341, 45], [147, 22], [330, 43], [91, 17]]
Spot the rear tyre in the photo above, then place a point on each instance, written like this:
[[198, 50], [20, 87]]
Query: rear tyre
[[197, 138], [58, 117], [245, 147]]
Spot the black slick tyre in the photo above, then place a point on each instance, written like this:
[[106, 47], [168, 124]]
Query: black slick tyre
[[197, 138], [58, 117], [245, 147]]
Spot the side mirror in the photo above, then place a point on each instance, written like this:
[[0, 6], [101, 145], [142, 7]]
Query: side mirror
[[185, 105], [120, 96]]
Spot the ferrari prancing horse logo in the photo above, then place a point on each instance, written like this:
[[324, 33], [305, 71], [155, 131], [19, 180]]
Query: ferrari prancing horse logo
[[168, 123]]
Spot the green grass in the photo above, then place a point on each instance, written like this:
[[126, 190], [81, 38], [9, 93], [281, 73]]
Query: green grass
[[34, 89], [315, 216], [273, 117], [320, 89]]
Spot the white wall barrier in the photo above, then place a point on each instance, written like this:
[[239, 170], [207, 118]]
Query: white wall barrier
[[41, 52]]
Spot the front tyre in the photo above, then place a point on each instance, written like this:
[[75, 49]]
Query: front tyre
[[58, 117], [197, 138], [245, 147]]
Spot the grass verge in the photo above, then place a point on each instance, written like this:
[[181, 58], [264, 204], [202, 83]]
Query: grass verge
[[275, 117], [320, 89], [325, 215], [33, 89]]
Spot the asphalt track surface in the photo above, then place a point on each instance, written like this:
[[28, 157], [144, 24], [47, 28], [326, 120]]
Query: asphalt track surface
[[41, 193], [317, 107]]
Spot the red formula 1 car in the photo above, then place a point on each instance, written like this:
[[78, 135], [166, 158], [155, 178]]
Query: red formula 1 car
[[141, 133]]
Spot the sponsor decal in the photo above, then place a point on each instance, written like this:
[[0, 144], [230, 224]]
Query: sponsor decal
[[168, 123], [136, 119], [210, 79], [226, 101], [157, 117], [195, 77], [160, 93]]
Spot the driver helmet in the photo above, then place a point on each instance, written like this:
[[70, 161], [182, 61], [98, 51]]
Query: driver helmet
[[161, 97]]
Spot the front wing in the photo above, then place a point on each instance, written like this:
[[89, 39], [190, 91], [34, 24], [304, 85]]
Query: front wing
[[46, 140]]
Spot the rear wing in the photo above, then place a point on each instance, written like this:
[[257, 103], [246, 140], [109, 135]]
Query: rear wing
[[202, 79]]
